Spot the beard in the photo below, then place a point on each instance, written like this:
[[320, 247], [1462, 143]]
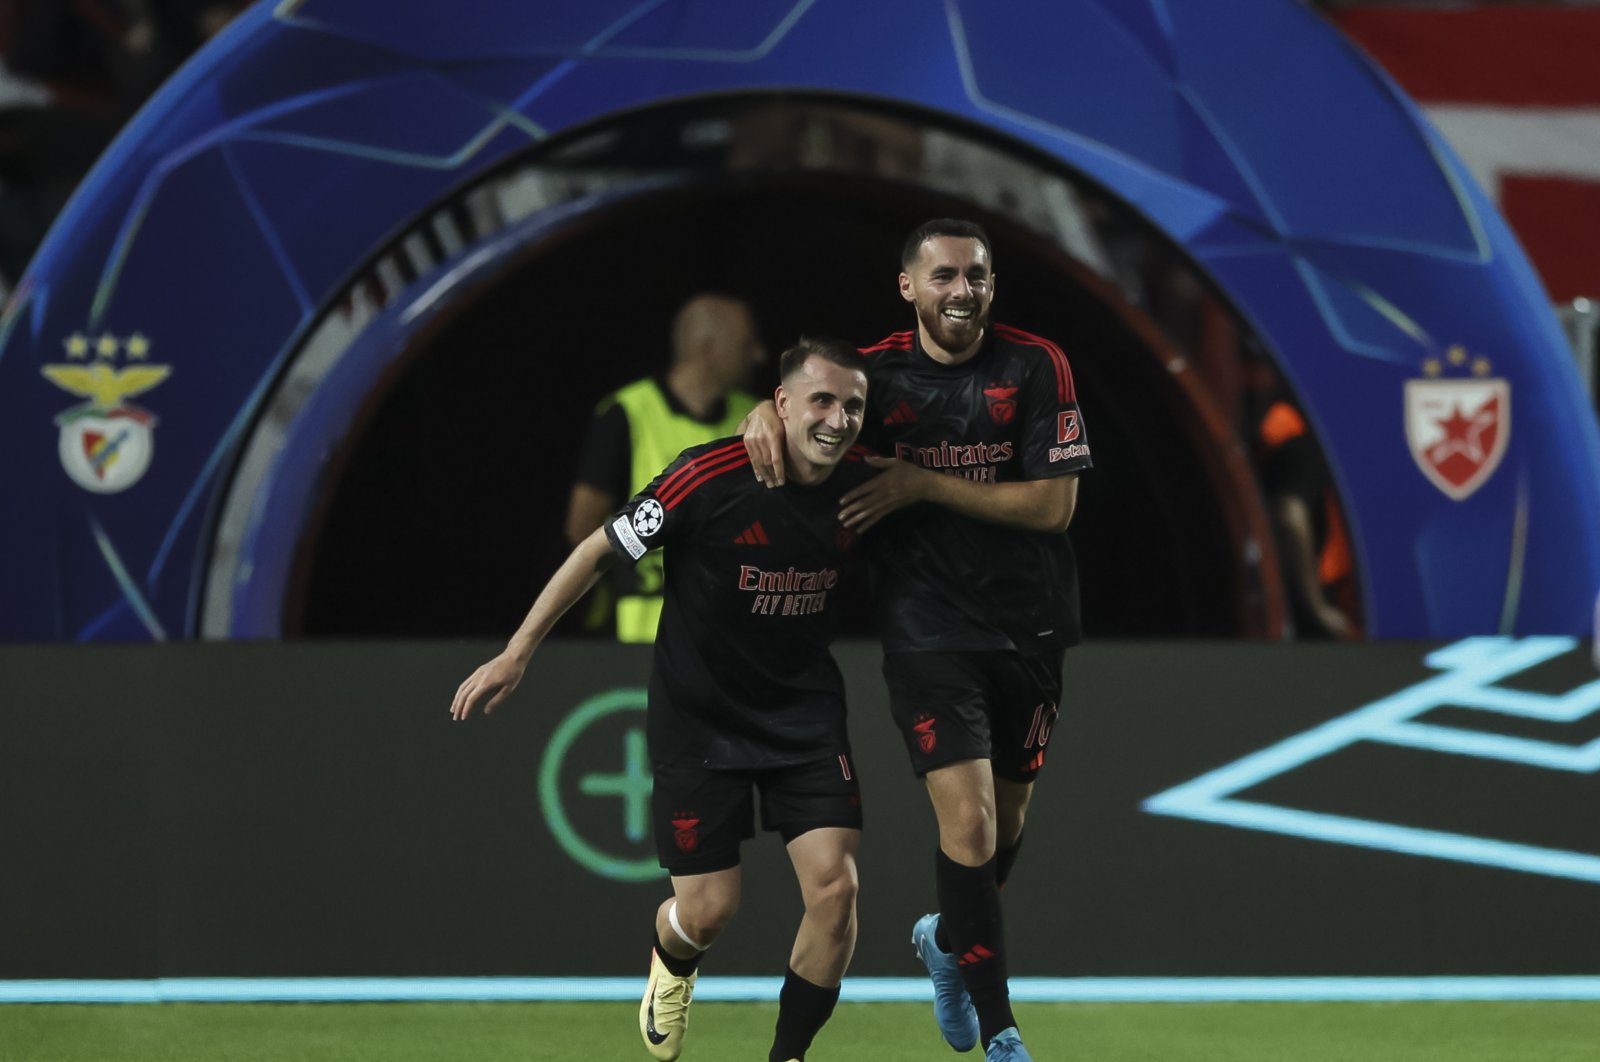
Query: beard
[[955, 337]]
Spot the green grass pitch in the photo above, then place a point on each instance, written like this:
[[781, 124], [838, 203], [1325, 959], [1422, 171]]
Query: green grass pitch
[[871, 1032]]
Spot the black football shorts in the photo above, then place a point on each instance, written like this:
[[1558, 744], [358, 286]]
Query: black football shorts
[[702, 816], [994, 705]]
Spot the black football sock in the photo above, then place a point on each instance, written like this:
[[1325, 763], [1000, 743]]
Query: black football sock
[[1004, 860], [803, 1009], [969, 909], [675, 966]]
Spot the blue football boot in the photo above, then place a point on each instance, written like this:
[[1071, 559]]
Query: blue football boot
[[1007, 1047], [958, 1022]]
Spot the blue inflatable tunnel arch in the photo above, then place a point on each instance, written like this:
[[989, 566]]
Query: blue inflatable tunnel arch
[[191, 347]]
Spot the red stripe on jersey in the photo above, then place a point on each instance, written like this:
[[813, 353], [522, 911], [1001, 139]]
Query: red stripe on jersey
[[898, 341], [857, 453], [1065, 392], [689, 469], [707, 470]]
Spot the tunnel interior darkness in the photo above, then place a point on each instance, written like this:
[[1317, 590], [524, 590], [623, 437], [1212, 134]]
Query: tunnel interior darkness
[[442, 517]]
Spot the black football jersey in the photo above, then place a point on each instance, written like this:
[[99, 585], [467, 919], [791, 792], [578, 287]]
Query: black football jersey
[[946, 581], [742, 675]]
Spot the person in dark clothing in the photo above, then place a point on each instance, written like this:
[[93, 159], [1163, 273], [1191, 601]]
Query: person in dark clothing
[[981, 443], [638, 428], [745, 700]]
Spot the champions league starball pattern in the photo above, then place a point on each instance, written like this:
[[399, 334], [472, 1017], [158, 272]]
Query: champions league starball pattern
[[647, 518], [225, 223]]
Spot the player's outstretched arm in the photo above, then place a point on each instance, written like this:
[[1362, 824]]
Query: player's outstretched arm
[[1030, 505], [763, 441], [493, 682]]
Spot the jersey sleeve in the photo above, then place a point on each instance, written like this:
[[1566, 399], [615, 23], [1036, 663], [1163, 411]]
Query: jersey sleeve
[[656, 516], [870, 438], [1054, 439], [607, 451]]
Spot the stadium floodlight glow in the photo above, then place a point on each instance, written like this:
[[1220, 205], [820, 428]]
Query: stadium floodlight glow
[[1471, 668]]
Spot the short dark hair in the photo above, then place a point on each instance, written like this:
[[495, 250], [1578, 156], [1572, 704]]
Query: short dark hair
[[959, 227], [828, 349]]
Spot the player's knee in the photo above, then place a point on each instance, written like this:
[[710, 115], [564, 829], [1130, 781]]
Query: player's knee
[[833, 900], [705, 919], [717, 918], [840, 889], [968, 834]]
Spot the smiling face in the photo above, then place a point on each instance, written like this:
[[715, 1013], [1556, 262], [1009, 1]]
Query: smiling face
[[951, 286], [821, 404]]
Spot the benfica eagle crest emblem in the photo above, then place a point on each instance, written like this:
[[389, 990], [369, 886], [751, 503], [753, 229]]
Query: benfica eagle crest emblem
[[107, 442], [1002, 399], [685, 834]]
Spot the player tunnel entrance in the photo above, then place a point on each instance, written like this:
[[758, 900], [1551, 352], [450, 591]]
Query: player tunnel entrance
[[442, 512]]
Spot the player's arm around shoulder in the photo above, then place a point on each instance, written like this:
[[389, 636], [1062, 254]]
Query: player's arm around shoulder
[[1028, 505], [494, 681], [762, 432]]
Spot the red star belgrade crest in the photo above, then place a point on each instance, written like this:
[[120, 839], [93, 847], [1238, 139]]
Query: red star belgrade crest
[[1457, 431]]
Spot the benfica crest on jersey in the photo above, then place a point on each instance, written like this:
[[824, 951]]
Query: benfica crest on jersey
[[1457, 430], [1002, 399]]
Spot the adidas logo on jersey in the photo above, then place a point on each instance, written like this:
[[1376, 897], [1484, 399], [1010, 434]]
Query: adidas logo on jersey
[[754, 535], [902, 413]]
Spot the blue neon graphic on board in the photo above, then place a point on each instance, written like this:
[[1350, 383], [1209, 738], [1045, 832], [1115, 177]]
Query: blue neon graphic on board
[[1471, 668]]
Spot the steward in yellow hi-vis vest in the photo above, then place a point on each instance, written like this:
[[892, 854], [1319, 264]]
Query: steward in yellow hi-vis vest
[[641, 428], [659, 435]]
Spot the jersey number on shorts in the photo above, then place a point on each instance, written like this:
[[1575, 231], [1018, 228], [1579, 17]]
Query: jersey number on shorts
[[1044, 717]]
